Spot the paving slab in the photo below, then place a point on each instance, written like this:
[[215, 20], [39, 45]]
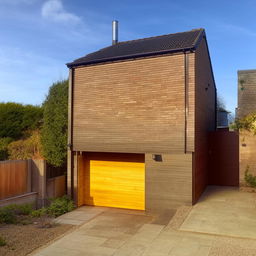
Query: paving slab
[[217, 226], [223, 211]]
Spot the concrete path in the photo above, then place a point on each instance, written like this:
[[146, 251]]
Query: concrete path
[[224, 211], [105, 231]]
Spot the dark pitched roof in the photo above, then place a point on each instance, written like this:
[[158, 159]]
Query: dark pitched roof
[[177, 42]]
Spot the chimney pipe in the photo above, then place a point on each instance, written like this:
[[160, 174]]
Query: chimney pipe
[[114, 32]]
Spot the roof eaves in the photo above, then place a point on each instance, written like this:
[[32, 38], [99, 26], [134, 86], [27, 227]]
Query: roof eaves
[[83, 63]]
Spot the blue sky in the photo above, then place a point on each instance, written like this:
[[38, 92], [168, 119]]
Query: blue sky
[[37, 37]]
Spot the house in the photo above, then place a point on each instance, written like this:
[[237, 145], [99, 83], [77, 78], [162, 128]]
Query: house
[[222, 118], [246, 106], [246, 92], [139, 115]]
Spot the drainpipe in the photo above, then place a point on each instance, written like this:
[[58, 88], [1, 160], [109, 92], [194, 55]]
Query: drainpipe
[[186, 80], [70, 154]]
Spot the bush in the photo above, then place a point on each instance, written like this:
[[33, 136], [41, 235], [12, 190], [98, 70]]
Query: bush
[[57, 207], [55, 124], [23, 209], [249, 178], [60, 206], [4, 142], [26, 148], [39, 213], [7, 215], [2, 241]]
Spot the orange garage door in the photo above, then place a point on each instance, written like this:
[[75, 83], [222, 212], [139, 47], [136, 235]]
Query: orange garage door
[[114, 180]]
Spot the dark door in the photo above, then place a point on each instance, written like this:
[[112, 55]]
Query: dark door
[[224, 158]]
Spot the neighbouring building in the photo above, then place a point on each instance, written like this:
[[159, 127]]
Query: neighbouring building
[[139, 116], [246, 105], [222, 118]]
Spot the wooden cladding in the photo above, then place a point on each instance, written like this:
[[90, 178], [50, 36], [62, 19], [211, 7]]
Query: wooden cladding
[[133, 106], [14, 178], [205, 117], [112, 180]]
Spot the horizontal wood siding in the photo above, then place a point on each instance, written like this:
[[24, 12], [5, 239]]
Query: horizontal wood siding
[[204, 117], [133, 106], [168, 183]]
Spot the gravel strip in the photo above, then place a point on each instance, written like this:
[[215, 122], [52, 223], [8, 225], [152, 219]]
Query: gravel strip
[[179, 217], [23, 239]]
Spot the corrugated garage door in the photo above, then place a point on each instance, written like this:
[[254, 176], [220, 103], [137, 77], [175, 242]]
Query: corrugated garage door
[[115, 180]]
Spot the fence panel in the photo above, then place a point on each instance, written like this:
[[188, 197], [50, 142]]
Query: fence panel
[[14, 178]]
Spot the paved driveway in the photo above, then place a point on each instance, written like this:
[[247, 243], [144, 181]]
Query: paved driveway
[[224, 211], [104, 231]]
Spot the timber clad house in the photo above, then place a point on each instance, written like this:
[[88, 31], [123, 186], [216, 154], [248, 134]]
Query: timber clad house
[[139, 115]]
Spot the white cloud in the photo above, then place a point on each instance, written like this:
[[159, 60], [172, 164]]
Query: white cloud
[[54, 10]]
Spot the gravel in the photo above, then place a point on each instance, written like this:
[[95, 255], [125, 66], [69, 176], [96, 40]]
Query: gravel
[[23, 239]]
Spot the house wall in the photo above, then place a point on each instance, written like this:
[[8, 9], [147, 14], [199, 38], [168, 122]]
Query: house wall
[[246, 92], [138, 106], [246, 105], [168, 183], [247, 152], [205, 117], [135, 106]]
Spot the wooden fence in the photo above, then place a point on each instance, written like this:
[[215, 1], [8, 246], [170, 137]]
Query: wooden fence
[[15, 178], [21, 177]]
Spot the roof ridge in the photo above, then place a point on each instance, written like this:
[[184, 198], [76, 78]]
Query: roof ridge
[[161, 44], [151, 37], [145, 38]]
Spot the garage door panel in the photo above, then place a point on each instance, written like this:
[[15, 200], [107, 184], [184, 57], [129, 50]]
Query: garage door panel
[[115, 183]]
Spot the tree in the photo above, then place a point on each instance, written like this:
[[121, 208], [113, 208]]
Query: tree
[[4, 142], [55, 124], [220, 103], [16, 119]]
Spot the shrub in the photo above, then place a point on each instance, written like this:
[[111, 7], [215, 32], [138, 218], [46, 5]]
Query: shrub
[[23, 209], [26, 148], [60, 206], [4, 142], [7, 215], [2, 241], [247, 123], [57, 207], [39, 213], [55, 124], [249, 178]]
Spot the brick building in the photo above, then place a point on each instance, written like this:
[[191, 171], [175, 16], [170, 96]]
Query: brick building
[[246, 92], [139, 115], [246, 105]]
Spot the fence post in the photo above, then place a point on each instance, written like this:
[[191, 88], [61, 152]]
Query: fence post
[[39, 180], [29, 176]]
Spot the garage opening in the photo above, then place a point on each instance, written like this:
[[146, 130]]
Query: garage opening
[[112, 180]]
